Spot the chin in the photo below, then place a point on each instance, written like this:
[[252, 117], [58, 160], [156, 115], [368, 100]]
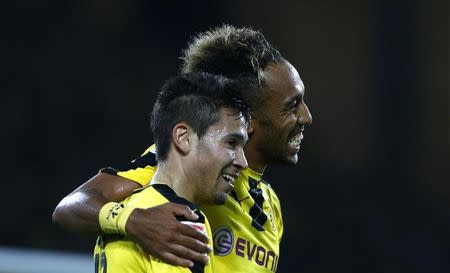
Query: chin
[[220, 199], [291, 160], [285, 158]]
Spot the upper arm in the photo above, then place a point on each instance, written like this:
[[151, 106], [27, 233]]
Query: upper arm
[[79, 210], [112, 188]]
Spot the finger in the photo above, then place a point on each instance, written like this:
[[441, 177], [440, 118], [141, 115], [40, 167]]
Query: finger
[[192, 232], [192, 244], [185, 253], [175, 260], [182, 210]]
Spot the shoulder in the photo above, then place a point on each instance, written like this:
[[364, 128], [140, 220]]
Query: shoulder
[[146, 197], [271, 194]]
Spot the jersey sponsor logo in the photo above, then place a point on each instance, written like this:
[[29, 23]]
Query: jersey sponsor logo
[[223, 241], [257, 254]]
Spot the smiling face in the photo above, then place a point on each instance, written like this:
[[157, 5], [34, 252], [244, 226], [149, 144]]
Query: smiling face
[[218, 157], [279, 123]]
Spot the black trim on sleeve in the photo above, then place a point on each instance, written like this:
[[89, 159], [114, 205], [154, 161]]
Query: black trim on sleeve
[[149, 159]]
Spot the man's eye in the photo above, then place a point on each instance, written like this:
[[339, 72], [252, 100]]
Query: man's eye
[[294, 105], [232, 143]]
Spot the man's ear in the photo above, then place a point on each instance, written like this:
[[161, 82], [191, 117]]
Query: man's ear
[[182, 137]]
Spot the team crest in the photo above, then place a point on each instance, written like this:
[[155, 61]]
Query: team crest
[[223, 241]]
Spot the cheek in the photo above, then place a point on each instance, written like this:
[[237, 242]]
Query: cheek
[[288, 124], [282, 124], [209, 155], [290, 120]]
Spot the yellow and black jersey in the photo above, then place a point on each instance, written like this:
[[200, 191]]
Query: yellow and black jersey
[[140, 170], [119, 254], [247, 229]]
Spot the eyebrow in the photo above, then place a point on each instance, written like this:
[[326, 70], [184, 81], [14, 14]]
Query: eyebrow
[[239, 137], [291, 100]]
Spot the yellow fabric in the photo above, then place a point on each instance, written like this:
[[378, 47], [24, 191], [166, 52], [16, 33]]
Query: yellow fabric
[[251, 250], [113, 217], [140, 175], [119, 254], [239, 246]]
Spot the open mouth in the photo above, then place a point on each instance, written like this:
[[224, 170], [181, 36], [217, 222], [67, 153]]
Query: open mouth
[[295, 141], [229, 178]]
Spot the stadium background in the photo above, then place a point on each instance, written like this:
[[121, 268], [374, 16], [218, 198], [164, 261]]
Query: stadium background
[[371, 193]]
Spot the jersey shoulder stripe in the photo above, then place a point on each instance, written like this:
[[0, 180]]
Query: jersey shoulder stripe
[[140, 170], [259, 218], [148, 159]]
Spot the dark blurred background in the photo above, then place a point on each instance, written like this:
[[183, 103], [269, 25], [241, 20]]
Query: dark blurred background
[[372, 191]]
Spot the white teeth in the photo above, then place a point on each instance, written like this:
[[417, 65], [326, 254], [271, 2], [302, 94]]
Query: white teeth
[[228, 178], [296, 140]]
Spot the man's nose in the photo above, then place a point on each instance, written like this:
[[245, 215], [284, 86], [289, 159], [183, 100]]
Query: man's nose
[[240, 161], [304, 116]]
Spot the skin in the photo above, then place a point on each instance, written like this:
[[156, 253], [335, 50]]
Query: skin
[[220, 151], [195, 169], [156, 230], [283, 115]]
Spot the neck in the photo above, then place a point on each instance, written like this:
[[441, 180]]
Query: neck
[[255, 159], [175, 178]]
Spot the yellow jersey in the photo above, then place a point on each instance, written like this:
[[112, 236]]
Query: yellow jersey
[[119, 254], [247, 229]]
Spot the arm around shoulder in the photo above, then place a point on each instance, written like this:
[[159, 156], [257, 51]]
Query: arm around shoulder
[[155, 229], [79, 210]]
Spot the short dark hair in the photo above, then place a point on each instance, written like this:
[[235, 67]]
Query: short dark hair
[[232, 52], [194, 98]]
